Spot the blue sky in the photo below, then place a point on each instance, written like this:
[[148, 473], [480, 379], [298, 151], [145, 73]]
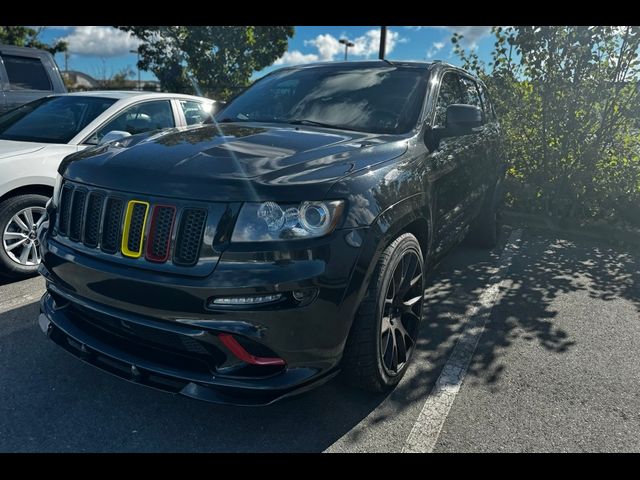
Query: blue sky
[[103, 51]]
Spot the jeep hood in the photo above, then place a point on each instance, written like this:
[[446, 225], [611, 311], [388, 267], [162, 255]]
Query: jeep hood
[[232, 162]]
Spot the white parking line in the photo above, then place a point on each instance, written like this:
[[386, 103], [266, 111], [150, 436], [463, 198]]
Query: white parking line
[[426, 430]]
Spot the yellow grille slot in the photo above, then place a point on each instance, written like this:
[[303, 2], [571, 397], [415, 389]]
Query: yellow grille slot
[[135, 221]]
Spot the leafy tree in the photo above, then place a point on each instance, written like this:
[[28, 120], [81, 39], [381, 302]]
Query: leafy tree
[[220, 58], [28, 37], [118, 80], [569, 101]]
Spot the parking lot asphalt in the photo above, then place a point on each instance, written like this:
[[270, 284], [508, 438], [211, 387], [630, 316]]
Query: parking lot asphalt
[[532, 346]]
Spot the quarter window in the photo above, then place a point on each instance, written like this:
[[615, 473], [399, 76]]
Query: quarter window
[[26, 73], [141, 118]]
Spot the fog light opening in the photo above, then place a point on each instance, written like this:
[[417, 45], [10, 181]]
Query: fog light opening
[[245, 300], [238, 351], [306, 296]]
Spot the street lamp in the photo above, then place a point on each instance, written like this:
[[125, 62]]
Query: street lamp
[[137, 66], [346, 44], [383, 42]]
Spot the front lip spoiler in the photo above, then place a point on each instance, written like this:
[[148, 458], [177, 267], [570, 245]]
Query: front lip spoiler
[[57, 326]]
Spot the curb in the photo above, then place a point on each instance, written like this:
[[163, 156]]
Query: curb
[[609, 234]]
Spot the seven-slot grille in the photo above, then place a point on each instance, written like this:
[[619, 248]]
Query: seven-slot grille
[[99, 219]]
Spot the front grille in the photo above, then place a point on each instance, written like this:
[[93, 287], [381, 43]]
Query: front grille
[[135, 221], [112, 226], [160, 234], [190, 235], [65, 208], [118, 225], [93, 219], [77, 214]]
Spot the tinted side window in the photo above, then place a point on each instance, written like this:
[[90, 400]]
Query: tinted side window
[[141, 118], [26, 73], [450, 93], [195, 112], [472, 93]]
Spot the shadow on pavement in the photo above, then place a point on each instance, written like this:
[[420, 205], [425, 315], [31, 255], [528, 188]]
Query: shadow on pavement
[[544, 268], [9, 280]]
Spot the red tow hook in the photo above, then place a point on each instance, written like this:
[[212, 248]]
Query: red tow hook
[[237, 349]]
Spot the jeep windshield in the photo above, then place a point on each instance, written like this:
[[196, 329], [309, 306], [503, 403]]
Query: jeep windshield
[[52, 119], [385, 99]]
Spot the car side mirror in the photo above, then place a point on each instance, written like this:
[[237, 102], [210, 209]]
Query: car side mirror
[[463, 117], [113, 136], [460, 120]]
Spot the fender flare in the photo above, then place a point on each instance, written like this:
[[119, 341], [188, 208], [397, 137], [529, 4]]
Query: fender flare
[[382, 231]]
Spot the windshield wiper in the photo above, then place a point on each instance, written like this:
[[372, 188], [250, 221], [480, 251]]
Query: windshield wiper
[[303, 121]]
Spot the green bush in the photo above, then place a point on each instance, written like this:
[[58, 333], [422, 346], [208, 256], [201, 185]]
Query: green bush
[[568, 99]]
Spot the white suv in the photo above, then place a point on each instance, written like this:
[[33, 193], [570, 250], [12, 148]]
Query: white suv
[[35, 137]]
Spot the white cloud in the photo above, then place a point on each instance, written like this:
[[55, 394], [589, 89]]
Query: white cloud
[[296, 57], [435, 48], [471, 33], [329, 48], [100, 41], [369, 44]]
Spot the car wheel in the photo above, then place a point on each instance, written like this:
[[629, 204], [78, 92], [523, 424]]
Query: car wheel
[[485, 230], [385, 330], [19, 249]]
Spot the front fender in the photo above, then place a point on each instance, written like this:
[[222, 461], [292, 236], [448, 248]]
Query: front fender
[[415, 211]]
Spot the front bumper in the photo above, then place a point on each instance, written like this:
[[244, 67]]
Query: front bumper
[[61, 326], [154, 329]]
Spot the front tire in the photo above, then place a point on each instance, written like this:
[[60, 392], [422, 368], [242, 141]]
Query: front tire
[[384, 333], [20, 217]]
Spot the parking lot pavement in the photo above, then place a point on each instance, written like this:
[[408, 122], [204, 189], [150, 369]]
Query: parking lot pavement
[[557, 328]]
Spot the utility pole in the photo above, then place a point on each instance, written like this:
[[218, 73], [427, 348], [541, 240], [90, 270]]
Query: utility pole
[[346, 44], [137, 66], [383, 42]]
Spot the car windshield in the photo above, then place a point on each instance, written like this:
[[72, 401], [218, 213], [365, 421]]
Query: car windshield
[[52, 119], [385, 99]]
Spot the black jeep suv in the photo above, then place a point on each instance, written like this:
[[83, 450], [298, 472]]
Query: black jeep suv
[[260, 255]]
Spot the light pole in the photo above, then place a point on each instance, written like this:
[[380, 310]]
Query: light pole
[[137, 66], [346, 44], [383, 42]]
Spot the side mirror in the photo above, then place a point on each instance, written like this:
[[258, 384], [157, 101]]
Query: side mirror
[[113, 136], [463, 117], [460, 120]]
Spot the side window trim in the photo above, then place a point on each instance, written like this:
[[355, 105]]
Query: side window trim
[[178, 114]]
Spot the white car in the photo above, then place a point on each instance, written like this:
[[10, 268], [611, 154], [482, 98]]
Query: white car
[[35, 137]]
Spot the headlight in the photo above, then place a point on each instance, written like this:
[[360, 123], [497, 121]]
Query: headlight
[[268, 221], [56, 190]]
